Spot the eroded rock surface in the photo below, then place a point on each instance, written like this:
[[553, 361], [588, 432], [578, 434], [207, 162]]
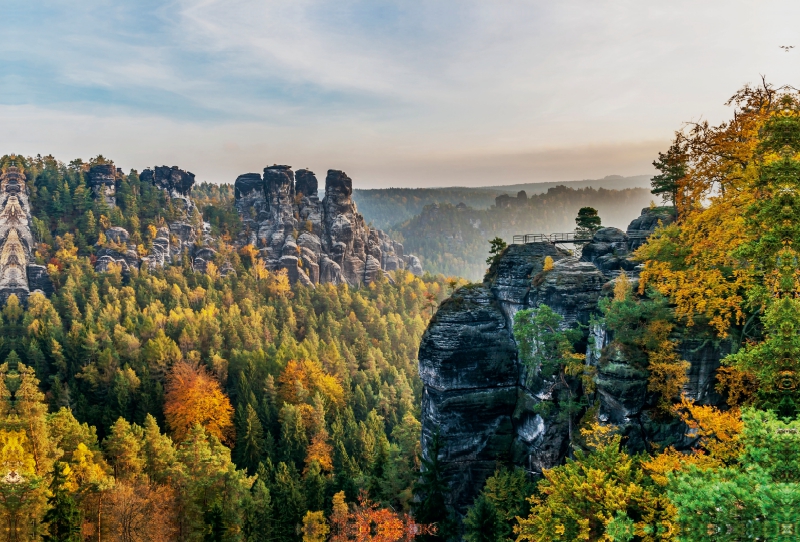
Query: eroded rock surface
[[19, 275], [178, 237], [481, 399], [315, 241]]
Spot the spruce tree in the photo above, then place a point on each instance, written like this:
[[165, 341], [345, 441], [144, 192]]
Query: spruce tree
[[430, 506], [482, 523], [63, 517]]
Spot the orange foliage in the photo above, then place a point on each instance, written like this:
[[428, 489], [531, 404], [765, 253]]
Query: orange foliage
[[366, 522], [301, 380], [671, 460], [320, 451], [739, 385], [694, 263], [194, 396]]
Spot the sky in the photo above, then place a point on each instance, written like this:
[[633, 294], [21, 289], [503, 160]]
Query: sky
[[396, 93]]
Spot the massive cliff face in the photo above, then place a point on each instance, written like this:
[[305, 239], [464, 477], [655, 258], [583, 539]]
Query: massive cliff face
[[315, 241], [479, 398], [18, 274]]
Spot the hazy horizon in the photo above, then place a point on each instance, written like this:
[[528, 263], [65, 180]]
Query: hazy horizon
[[404, 94]]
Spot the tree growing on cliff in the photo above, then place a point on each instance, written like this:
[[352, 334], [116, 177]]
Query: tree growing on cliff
[[588, 221], [548, 351], [430, 507], [496, 247], [672, 165]]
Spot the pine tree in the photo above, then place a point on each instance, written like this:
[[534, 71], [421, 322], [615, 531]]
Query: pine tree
[[587, 221], [250, 444], [430, 490], [482, 523], [63, 517], [672, 165]]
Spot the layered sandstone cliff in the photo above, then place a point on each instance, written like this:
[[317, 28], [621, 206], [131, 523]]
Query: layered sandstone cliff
[[478, 396]]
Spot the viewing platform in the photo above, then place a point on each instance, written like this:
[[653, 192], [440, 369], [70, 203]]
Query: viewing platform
[[575, 238]]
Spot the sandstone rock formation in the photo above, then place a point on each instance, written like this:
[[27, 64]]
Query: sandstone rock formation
[[18, 274], [315, 241], [102, 179], [479, 397], [178, 236]]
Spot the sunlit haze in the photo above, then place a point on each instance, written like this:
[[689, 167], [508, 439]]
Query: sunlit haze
[[433, 93]]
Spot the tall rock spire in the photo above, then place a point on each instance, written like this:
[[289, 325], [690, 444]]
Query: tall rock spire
[[18, 275]]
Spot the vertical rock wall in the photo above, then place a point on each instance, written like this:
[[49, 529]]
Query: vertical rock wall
[[481, 400], [18, 274]]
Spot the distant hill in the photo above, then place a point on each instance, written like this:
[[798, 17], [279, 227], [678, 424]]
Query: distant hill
[[454, 240], [610, 182], [389, 207]]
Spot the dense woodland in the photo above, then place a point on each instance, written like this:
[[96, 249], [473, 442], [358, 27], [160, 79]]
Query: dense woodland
[[454, 240], [176, 405]]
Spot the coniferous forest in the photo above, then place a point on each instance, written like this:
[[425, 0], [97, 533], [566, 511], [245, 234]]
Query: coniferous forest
[[171, 404]]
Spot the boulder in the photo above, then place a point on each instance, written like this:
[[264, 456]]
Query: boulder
[[117, 235]]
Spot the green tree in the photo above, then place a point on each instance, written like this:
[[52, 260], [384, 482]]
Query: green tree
[[548, 350], [482, 523], [496, 248], [672, 165], [431, 491], [587, 221], [63, 517]]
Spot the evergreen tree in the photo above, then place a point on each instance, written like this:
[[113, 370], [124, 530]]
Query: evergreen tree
[[250, 444], [431, 489], [587, 221], [672, 165], [482, 523], [63, 517]]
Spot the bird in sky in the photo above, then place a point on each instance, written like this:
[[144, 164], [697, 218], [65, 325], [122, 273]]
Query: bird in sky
[[786, 47]]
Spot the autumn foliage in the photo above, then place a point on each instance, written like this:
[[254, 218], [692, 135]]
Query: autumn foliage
[[194, 397]]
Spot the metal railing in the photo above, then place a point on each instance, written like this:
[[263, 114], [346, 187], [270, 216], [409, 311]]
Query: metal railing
[[570, 237]]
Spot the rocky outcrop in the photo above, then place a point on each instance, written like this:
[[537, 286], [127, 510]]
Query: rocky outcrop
[[315, 241], [610, 252], [19, 275], [482, 401], [178, 237], [651, 218], [102, 179]]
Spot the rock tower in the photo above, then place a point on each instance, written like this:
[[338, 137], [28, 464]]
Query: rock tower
[[18, 274]]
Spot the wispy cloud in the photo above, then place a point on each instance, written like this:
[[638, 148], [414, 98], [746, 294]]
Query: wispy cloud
[[222, 86]]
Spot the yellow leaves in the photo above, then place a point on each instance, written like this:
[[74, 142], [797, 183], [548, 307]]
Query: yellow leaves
[[195, 397], [622, 287], [320, 451], [315, 527], [670, 460], [212, 271], [15, 454], [718, 430], [548, 264], [300, 380], [598, 435]]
